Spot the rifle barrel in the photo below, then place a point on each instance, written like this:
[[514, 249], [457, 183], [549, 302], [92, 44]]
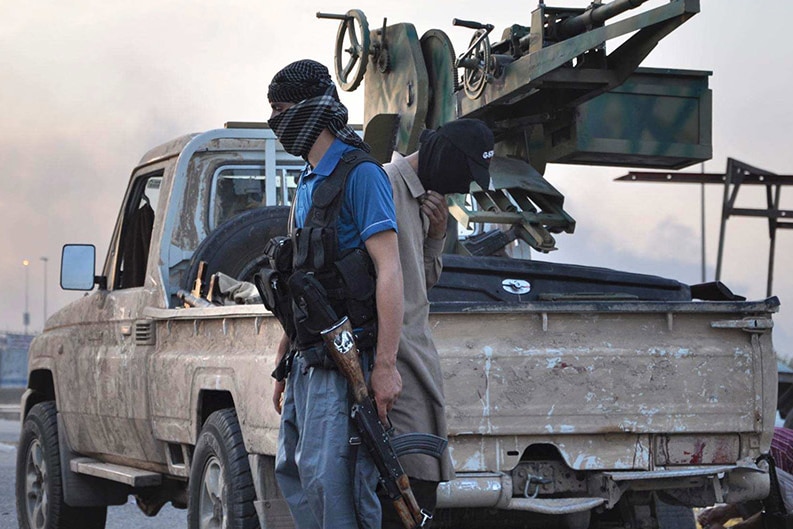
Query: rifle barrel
[[594, 16]]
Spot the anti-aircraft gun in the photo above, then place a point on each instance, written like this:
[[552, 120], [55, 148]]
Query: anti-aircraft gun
[[550, 92]]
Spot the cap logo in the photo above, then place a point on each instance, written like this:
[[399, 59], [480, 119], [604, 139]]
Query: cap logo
[[487, 155]]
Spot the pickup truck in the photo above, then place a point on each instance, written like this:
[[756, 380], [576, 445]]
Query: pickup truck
[[576, 396]]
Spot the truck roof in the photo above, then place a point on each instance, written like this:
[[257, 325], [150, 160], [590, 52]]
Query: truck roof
[[167, 150]]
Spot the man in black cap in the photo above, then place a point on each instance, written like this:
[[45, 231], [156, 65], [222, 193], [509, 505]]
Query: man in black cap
[[455, 155], [447, 161], [350, 219]]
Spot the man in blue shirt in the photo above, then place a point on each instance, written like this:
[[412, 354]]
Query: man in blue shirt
[[326, 482]]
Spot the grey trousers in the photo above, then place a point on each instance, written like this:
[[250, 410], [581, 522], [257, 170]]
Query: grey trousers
[[324, 487]]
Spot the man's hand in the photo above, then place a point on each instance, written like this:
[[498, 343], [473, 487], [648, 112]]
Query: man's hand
[[280, 385], [278, 395], [716, 517], [386, 385], [433, 205]]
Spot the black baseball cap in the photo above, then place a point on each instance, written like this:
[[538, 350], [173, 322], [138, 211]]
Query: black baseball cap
[[470, 138]]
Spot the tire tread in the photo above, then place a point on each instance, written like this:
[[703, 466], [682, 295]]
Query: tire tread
[[223, 427], [44, 418]]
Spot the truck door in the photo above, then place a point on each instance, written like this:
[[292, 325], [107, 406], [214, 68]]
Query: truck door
[[110, 404]]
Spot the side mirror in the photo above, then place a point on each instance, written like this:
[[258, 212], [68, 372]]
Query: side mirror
[[78, 267]]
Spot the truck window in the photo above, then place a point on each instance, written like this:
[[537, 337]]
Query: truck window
[[136, 232], [286, 184], [236, 189]]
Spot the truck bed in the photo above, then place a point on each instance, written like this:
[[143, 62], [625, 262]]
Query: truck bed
[[651, 383]]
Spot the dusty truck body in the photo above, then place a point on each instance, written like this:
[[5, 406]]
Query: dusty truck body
[[576, 396], [581, 399]]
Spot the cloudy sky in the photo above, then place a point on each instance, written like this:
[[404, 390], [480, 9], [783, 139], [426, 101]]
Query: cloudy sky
[[88, 86]]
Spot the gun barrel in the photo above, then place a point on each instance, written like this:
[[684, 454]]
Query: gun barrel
[[595, 15]]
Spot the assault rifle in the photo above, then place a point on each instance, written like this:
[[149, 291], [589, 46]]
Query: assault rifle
[[312, 306]]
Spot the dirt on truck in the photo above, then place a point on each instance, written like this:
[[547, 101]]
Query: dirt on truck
[[576, 396]]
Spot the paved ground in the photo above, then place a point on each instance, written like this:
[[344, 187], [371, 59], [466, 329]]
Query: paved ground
[[9, 437]]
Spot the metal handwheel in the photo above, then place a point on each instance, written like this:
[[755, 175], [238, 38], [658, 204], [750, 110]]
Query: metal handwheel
[[477, 60], [351, 39]]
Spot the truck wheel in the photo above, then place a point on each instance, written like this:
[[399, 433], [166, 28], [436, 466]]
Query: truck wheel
[[40, 503], [236, 247], [221, 487]]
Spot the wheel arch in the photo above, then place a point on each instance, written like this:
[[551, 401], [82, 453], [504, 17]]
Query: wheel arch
[[210, 401], [41, 388], [212, 389]]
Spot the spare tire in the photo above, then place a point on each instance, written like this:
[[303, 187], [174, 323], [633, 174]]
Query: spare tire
[[236, 247]]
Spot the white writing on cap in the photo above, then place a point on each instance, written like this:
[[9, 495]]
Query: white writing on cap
[[487, 154]]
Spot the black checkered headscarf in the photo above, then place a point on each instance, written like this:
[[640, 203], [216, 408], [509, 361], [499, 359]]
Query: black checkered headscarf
[[308, 84]]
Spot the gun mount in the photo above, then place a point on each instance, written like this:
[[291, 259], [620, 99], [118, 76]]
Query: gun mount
[[549, 91]]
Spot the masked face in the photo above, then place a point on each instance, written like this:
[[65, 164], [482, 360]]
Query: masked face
[[442, 167], [299, 126]]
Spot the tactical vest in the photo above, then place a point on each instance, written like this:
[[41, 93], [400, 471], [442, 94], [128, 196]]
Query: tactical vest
[[347, 276]]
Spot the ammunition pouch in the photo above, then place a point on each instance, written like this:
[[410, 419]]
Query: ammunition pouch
[[356, 273], [313, 314], [279, 251], [315, 248], [310, 321], [275, 296], [349, 288]]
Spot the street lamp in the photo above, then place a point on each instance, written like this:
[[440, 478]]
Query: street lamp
[[44, 321], [26, 314]]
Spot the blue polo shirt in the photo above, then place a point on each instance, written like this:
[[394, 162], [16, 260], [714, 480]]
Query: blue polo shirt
[[368, 206]]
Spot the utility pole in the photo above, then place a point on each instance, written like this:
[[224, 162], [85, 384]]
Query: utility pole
[[26, 314], [702, 221]]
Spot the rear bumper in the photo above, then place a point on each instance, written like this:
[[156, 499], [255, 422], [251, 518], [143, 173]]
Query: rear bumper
[[694, 486]]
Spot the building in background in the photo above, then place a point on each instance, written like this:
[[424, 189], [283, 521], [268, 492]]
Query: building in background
[[14, 359]]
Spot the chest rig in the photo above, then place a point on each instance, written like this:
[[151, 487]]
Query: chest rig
[[347, 276]]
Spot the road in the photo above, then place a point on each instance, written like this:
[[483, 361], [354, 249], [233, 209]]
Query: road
[[124, 517]]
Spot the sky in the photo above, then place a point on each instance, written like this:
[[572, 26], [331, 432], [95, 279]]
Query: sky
[[88, 86]]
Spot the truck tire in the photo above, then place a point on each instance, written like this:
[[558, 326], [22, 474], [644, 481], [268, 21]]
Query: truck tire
[[221, 487], [236, 247], [40, 503]]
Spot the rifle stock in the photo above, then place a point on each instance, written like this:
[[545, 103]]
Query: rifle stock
[[340, 342], [192, 301]]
